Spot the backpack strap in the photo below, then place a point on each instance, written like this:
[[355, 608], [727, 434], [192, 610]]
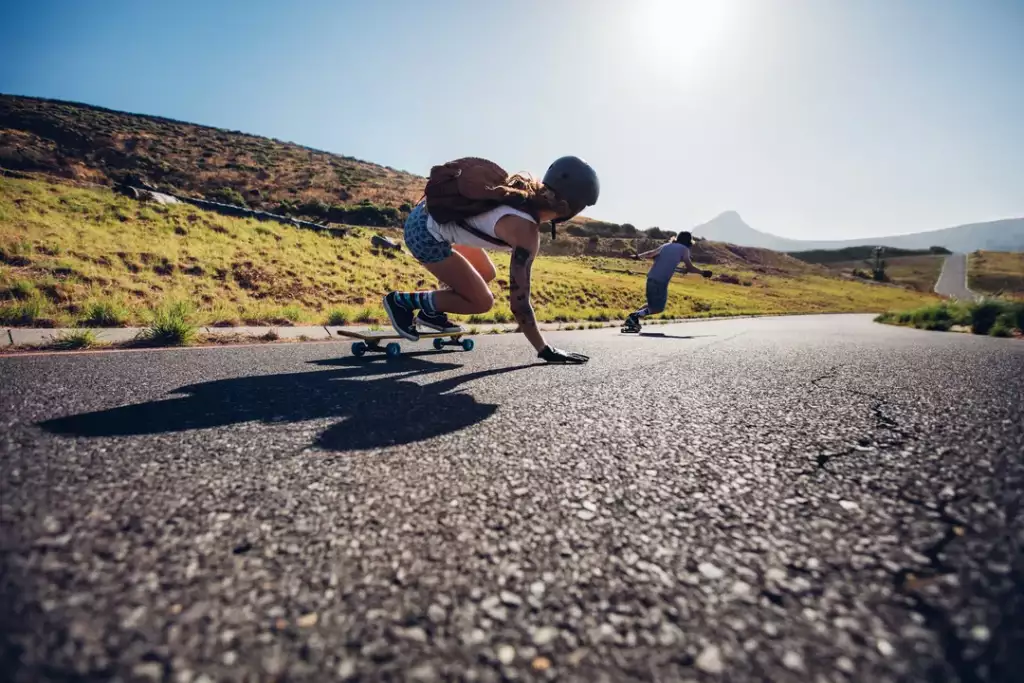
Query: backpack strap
[[482, 235]]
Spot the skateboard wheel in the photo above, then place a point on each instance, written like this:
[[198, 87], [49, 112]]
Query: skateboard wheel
[[467, 344], [438, 343], [393, 350], [359, 348]]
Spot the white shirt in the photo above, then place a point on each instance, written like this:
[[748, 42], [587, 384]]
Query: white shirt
[[453, 233]]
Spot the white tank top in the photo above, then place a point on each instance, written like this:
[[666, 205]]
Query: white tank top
[[453, 233]]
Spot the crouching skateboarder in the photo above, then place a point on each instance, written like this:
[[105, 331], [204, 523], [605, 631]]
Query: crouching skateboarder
[[472, 204], [666, 258]]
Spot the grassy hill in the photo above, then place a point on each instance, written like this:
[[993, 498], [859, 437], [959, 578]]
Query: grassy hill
[[99, 145], [73, 255], [995, 272], [916, 272], [92, 144]]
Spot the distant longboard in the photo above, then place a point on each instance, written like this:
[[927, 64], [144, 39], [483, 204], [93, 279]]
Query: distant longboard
[[370, 342]]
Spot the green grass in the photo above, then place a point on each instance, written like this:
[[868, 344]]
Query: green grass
[[171, 325], [22, 289], [369, 314], [338, 317], [998, 317], [76, 339], [26, 313], [105, 313], [119, 260]]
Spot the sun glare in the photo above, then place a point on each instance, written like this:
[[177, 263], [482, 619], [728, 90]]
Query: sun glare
[[680, 34]]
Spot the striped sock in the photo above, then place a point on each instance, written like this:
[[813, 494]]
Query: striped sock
[[417, 300]]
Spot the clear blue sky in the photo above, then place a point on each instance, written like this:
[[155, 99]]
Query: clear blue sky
[[812, 118]]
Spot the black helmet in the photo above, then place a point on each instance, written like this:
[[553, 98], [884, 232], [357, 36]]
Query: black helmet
[[575, 182], [685, 238]]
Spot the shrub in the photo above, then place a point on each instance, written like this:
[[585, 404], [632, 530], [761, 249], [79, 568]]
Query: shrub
[[171, 326], [366, 214], [658, 234], [369, 315], [76, 339], [291, 312], [227, 195], [1016, 315], [941, 316], [1001, 328], [984, 315], [338, 317]]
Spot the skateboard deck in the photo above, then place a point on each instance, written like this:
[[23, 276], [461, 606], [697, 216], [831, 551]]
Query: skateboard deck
[[371, 341]]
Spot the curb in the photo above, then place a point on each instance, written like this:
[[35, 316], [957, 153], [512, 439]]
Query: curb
[[16, 336]]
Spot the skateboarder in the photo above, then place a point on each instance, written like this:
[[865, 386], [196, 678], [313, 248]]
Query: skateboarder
[[452, 249], [666, 258]]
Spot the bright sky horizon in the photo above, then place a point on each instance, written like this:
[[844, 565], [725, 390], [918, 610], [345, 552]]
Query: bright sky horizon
[[814, 119]]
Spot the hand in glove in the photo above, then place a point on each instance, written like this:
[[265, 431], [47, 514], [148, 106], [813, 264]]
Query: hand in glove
[[553, 355], [706, 273]]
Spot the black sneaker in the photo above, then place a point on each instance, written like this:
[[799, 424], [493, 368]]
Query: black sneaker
[[437, 321], [632, 324], [401, 317]]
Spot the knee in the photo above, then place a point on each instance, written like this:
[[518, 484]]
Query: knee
[[489, 274], [482, 302]]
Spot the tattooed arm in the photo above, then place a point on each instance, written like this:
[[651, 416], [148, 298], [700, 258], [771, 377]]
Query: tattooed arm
[[524, 238], [519, 289]]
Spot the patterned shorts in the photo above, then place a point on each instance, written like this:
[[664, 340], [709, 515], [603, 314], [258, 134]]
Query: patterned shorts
[[423, 245]]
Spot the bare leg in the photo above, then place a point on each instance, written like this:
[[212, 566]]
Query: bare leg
[[468, 291], [479, 259]]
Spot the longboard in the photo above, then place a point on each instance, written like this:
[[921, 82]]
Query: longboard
[[371, 341]]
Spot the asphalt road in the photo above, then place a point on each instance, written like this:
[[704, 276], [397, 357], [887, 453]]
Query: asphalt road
[[953, 278], [789, 499]]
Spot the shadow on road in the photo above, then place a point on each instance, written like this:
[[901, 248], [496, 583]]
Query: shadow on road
[[662, 335], [385, 411]]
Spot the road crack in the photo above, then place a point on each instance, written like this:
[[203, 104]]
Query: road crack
[[877, 437], [911, 582]]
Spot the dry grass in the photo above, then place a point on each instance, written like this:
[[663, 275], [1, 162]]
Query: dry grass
[[916, 272], [105, 146], [996, 272], [76, 256]]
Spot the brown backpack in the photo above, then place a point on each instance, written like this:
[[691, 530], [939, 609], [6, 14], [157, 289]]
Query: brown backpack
[[469, 187]]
